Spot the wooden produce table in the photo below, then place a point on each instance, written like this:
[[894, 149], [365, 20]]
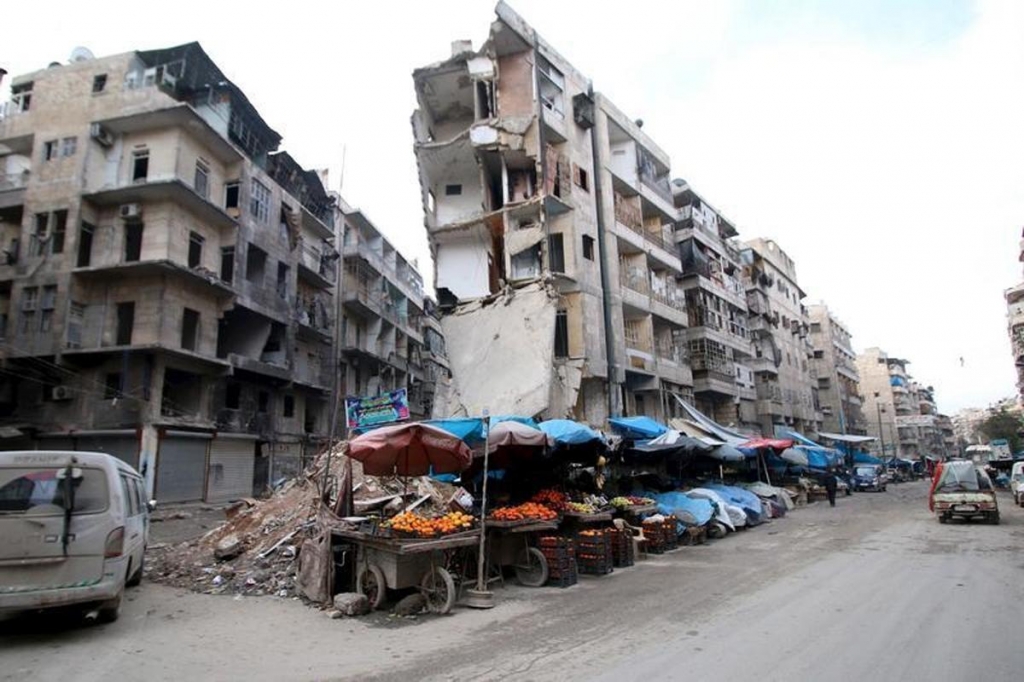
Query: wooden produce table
[[508, 544], [586, 519], [635, 512], [398, 563]]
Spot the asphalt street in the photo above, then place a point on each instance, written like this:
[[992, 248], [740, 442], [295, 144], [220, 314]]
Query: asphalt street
[[874, 588]]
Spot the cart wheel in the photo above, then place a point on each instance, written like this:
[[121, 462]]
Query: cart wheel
[[371, 583], [438, 588], [532, 568]]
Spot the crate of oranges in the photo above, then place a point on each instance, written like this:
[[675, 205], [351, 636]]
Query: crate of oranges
[[412, 525], [529, 512]]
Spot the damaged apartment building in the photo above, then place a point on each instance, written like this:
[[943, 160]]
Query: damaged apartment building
[[834, 367], [551, 219], [168, 292]]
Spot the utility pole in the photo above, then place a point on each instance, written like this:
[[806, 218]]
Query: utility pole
[[881, 436]]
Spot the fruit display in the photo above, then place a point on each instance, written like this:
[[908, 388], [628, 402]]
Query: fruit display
[[631, 501], [530, 511], [552, 499], [412, 524], [580, 508]]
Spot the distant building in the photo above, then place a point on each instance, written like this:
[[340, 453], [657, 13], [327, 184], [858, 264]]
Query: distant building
[[834, 367]]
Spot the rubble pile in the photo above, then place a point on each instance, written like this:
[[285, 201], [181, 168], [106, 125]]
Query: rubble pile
[[255, 550]]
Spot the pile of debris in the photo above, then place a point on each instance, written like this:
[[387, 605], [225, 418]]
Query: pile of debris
[[255, 550]]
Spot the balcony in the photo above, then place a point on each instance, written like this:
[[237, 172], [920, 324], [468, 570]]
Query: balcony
[[12, 188], [172, 189], [136, 269], [264, 367], [318, 266], [314, 318]]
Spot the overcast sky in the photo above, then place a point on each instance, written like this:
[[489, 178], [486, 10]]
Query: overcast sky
[[879, 143]]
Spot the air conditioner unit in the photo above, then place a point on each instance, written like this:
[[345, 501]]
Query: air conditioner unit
[[131, 211], [60, 393], [101, 135]]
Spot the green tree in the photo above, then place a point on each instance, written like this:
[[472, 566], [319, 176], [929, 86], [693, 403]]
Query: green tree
[[1003, 424]]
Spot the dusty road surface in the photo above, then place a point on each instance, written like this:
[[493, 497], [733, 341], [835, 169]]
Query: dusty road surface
[[874, 589]]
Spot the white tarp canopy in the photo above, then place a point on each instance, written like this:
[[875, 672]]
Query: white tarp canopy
[[844, 438]]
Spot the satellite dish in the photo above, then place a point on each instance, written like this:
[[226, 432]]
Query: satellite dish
[[81, 54]]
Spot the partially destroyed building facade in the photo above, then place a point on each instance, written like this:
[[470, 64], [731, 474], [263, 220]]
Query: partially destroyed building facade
[[834, 367], [170, 281], [551, 220]]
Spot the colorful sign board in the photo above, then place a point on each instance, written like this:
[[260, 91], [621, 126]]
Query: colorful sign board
[[368, 411]]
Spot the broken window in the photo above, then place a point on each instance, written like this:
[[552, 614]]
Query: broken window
[[484, 100], [255, 264], [201, 182], [561, 334], [140, 165], [21, 96], [112, 386], [262, 402], [282, 223], [99, 82], [552, 86], [452, 190], [231, 195], [85, 244], [190, 329], [68, 146], [581, 178], [233, 396], [556, 253], [37, 245], [195, 249], [60, 226], [588, 247], [259, 201], [288, 409], [526, 264], [132, 242], [50, 150], [282, 280], [125, 323], [227, 264]]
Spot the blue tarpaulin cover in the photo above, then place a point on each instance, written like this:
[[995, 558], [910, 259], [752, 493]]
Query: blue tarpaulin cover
[[744, 499], [865, 458], [568, 432], [637, 428], [469, 429], [688, 510]]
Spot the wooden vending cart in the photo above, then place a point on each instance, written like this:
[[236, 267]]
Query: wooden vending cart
[[508, 545]]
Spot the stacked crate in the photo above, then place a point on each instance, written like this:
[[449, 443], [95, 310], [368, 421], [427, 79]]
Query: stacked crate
[[671, 535], [560, 553], [654, 531], [594, 552], [622, 548]]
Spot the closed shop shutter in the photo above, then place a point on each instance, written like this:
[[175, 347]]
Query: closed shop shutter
[[123, 446], [287, 461], [181, 467], [232, 461]]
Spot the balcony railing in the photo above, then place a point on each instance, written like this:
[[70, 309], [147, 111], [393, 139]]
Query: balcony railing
[[635, 279], [319, 261], [673, 352]]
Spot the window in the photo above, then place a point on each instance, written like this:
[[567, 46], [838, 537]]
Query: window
[[259, 202], [581, 178], [819, 354], [21, 96], [231, 195], [452, 190], [68, 146], [99, 83], [112, 386], [282, 280], [50, 150], [289, 406], [588, 247], [190, 329], [60, 226], [132, 242], [125, 323], [255, 264], [561, 334], [201, 183], [37, 245], [47, 304], [227, 264], [556, 253], [140, 165], [85, 244], [233, 396], [195, 249], [29, 298], [262, 402]]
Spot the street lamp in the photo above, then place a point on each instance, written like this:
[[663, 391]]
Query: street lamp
[[881, 437]]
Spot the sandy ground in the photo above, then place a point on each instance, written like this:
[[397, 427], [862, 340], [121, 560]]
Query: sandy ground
[[875, 587]]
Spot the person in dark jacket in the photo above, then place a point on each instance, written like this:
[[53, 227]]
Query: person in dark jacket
[[829, 482]]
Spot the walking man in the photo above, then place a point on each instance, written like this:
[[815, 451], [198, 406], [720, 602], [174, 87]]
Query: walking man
[[830, 486]]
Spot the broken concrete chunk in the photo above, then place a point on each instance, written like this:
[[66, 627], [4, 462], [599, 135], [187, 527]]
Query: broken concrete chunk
[[228, 548], [352, 603], [411, 605]]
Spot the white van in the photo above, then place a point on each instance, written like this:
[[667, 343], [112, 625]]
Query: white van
[[73, 530]]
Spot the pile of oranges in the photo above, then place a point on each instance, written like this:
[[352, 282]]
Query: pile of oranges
[[553, 499], [411, 523], [529, 511]]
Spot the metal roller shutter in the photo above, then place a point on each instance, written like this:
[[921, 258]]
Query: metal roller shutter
[[124, 447], [232, 460], [181, 467]]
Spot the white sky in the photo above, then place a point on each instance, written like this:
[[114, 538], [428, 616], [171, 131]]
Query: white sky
[[878, 143]]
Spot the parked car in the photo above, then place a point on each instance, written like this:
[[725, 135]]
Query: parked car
[[870, 477], [1017, 483], [75, 527], [961, 488]]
